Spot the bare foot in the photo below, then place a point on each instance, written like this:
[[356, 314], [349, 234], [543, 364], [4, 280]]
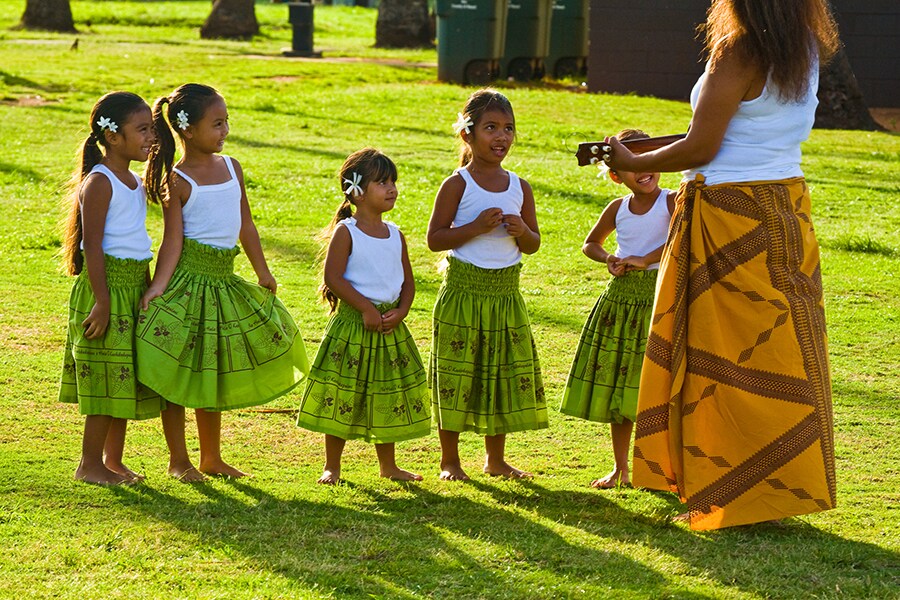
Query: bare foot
[[504, 469], [616, 478], [330, 477], [398, 474], [100, 476], [121, 469], [682, 518], [453, 472], [221, 469], [188, 474]]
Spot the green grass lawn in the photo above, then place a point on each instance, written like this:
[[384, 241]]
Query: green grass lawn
[[280, 535]]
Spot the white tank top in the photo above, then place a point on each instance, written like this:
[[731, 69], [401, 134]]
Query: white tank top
[[212, 214], [495, 249], [375, 265], [125, 231], [639, 235], [762, 141]]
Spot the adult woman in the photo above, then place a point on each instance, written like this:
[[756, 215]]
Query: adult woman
[[734, 411]]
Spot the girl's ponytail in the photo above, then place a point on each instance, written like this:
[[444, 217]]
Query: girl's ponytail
[[162, 154], [344, 211]]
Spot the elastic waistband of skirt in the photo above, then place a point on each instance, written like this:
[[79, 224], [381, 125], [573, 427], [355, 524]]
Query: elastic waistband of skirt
[[201, 259], [634, 287], [466, 277], [123, 272], [345, 312]]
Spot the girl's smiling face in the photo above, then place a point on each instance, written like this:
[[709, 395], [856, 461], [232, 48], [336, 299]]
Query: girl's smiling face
[[208, 134]]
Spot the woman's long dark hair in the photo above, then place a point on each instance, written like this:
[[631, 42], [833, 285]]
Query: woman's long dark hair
[[780, 37]]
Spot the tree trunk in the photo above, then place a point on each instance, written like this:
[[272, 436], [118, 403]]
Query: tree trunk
[[52, 15], [403, 24], [232, 19], [841, 103]]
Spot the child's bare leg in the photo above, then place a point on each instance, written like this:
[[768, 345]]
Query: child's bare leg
[[388, 464], [209, 430], [114, 448], [495, 464], [180, 465], [334, 448], [91, 468], [621, 442], [451, 466]]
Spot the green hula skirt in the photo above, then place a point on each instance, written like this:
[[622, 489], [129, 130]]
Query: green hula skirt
[[215, 341], [366, 385], [484, 372], [603, 382], [99, 374]]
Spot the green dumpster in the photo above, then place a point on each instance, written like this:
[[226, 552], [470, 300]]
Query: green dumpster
[[527, 38], [568, 39], [470, 36]]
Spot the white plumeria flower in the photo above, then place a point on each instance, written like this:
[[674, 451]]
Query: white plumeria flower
[[462, 123], [182, 118], [105, 123], [354, 185]]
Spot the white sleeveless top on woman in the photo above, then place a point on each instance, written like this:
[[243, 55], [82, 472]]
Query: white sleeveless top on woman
[[495, 249], [639, 235], [212, 214], [375, 265], [125, 230], [762, 140]]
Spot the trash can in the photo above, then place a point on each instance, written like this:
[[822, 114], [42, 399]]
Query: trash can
[[568, 39], [470, 37], [527, 38], [300, 15]]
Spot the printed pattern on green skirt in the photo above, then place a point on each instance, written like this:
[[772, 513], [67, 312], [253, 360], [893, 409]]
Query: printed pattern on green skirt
[[100, 374], [603, 382], [484, 371], [364, 384], [215, 341]]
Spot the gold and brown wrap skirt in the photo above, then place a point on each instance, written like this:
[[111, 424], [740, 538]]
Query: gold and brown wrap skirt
[[734, 409]]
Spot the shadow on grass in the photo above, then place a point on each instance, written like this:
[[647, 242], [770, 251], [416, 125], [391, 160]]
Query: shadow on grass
[[789, 557], [405, 541]]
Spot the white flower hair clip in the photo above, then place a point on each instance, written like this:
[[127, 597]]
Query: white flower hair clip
[[105, 123], [462, 123], [354, 188], [182, 118], [603, 168]]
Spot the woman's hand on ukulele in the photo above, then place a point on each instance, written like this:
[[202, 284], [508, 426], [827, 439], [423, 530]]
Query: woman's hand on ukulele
[[96, 322]]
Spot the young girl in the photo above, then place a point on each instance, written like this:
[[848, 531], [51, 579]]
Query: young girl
[[107, 246], [208, 340], [367, 380], [484, 370], [603, 382]]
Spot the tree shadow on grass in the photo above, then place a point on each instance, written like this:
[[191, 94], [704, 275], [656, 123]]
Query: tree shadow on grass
[[395, 542], [790, 557]]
